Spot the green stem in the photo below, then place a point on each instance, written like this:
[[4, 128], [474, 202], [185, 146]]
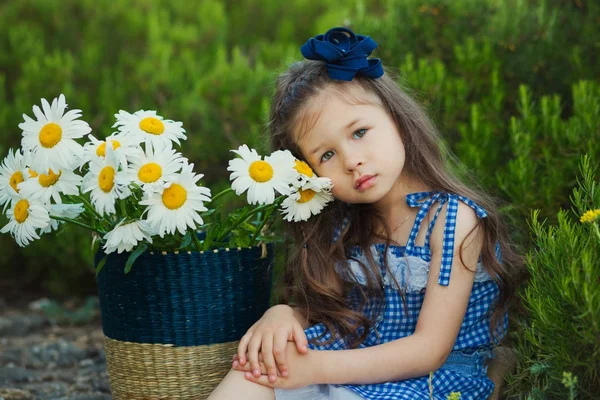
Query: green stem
[[244, 217], [123, 208], [596, 230], [262, 224], [89, 207], [78, 223], [221, 194], [197, 241]]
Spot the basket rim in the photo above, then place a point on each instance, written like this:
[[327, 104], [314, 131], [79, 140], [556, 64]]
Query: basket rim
[[220, 249]]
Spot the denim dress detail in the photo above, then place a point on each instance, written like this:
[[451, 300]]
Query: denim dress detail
[[465, 370]]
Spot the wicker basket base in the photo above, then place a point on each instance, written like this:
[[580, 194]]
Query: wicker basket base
[[159, 371]]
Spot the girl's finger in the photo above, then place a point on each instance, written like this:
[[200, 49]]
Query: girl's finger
[[300, 339], [253, 350], [279, 351], [236, 358], [246, 368], [243, 347], [267, 355], [261, 380]]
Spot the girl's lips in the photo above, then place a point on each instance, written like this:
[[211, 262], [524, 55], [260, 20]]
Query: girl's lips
[[366, 182]]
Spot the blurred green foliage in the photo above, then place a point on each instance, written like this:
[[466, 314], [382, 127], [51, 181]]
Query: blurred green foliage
[[513, 85], [480, 67]]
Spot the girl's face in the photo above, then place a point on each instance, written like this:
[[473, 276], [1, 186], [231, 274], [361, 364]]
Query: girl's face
[[357, 146]]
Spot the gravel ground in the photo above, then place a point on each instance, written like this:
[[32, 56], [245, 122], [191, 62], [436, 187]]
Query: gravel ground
[[45, 355]]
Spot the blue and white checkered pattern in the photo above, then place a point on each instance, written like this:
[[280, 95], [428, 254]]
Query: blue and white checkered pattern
[[425, 200], [395, 322]]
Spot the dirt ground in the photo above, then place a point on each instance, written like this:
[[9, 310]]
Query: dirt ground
[[45, 354]]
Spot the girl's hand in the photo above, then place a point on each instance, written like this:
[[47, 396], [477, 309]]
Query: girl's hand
[[269, 336], [304, 370]]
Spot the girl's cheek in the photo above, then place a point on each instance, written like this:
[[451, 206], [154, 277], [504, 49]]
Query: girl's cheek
[[337, 192]]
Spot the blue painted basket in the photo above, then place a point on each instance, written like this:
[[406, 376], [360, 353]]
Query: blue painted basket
[[172, 324]]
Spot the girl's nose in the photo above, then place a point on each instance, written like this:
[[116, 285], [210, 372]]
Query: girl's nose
[[352, 162]]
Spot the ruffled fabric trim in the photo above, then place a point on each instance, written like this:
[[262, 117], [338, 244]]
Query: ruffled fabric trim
[[410, 272]]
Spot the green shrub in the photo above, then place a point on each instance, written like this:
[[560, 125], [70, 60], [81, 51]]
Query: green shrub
[[561, 333], [211, 65]]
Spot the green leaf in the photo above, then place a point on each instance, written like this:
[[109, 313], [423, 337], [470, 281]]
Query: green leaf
[[186, 241], [133, 256], [101, 264], [208, 212]]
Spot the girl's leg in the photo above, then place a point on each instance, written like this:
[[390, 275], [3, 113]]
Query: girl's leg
[[235, 386]]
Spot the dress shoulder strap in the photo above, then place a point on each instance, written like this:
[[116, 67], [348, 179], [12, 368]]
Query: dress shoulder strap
[[425, 200]]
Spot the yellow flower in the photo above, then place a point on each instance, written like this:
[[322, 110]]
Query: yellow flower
[[569, 380], [454, 396], [590, 216]]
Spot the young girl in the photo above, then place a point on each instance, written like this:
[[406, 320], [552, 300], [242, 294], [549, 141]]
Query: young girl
[[396, 289]]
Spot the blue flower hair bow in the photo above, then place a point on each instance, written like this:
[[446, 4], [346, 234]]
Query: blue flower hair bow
[[345, 53]]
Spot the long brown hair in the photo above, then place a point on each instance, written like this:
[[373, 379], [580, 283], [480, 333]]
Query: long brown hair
[[310, 276]]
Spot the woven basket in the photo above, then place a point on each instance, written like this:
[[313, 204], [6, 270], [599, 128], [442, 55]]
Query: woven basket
[[171, 325]]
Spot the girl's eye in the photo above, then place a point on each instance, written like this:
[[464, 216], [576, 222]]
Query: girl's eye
[[327, 155], [360, 133]]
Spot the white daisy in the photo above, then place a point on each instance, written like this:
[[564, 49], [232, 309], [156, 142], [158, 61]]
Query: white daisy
[[307, 179], [51, 185], [155, 167], [302, 204], [70, 211], [261, 177], [126, 235], [176, 207], [51, 138], [146, 126], [25, 217], [106, 182], [124, 147], [12, 173]]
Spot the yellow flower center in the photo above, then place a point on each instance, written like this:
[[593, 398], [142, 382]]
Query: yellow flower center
[[152, 125], [21, 211], [303, 168], [32, 173], [174, 196], [15, 179], [306, 195], [48, 179], [590, 216], [106, 179], [50, 135], [150, 172], [101, 150], [261, 171]]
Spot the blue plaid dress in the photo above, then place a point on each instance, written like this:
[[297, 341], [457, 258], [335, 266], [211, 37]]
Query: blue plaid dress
[[465, 371]]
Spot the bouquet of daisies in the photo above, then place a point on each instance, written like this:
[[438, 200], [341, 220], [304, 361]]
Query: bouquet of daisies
[[135, 192]]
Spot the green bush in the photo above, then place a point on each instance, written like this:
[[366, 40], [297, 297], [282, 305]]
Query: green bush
[[209, 65], [561, 333]]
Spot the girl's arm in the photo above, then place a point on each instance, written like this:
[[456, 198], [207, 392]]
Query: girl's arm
[[440, 319], [300, 315]]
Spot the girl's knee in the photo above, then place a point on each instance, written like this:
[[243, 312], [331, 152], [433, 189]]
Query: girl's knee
[[235, 386]]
